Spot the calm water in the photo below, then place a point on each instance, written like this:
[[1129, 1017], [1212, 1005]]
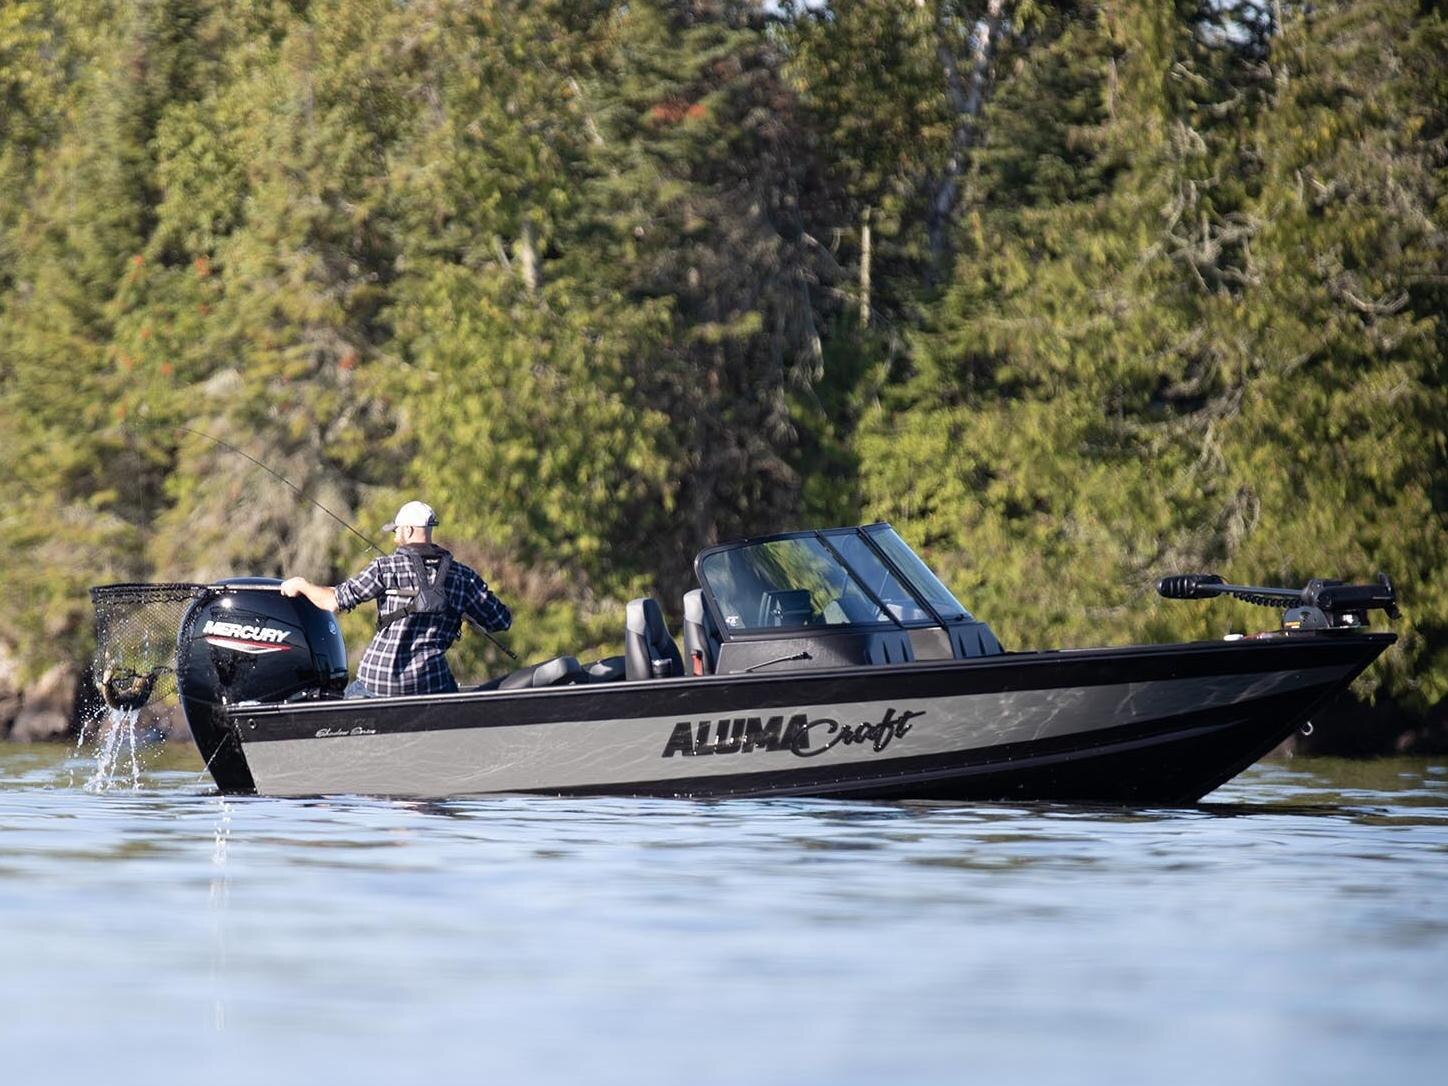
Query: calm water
[[1295, 929]]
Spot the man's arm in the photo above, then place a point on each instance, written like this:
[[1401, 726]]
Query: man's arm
[[322, 596], [484, 608], [367, 585]]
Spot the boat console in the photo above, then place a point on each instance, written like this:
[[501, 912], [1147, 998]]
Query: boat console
[[856, 597], [835, 598], [797, 601]]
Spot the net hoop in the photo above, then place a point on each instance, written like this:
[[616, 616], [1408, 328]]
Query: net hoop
[[137, 627]]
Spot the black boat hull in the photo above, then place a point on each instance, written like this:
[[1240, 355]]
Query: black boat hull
[[1141, 725]]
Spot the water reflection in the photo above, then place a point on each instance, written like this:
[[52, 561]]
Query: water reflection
[[218, 899]]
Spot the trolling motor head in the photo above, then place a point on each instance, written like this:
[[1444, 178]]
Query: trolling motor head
[[1322, 605]]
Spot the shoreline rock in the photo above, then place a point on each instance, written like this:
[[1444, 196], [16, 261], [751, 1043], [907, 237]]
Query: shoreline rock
[[11, 698], [47, 707]]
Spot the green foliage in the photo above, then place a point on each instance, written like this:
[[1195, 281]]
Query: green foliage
[[869, 74], [544, 451], [71, 469], [1151, 357], [590, 278], [700, 167]]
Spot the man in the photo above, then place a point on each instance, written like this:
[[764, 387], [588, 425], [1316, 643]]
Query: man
[[422, 597]]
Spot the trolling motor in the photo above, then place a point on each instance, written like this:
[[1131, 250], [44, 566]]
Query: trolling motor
[[1322, 605]]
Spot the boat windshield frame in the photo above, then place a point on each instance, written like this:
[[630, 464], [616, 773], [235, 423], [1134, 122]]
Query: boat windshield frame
[[898, 600]]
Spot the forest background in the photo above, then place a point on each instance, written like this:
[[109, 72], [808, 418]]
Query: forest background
[[1074, 294]]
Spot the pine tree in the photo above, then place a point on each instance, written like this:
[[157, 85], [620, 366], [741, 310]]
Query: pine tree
[[1157, 303], [700, 164], [303, 255], [32, 93], [1331, 439], [1046, 383], [516, 368], [87, 485], [870, 77]]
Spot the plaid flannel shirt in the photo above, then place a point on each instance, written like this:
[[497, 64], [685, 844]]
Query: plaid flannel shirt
[[406, 657]]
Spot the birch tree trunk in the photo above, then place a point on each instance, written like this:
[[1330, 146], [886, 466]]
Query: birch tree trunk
[[865, 246], [967, 96], [528, 257]]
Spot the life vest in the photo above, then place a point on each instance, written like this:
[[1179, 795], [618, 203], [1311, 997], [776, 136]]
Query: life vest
[[430, 597]]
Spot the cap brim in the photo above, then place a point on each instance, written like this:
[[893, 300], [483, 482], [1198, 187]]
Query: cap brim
[[390, 526]]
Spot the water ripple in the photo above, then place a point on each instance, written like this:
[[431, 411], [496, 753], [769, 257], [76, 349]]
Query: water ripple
[[1294, 927]]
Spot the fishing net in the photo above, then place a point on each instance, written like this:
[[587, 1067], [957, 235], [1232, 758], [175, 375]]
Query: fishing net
[[136, 627]]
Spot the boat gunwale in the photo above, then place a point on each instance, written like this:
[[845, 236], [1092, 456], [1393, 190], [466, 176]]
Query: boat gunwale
[[1031, 660]]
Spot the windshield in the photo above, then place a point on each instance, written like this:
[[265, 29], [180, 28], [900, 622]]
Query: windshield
[[866, 564], [787, 582], [917, 572]]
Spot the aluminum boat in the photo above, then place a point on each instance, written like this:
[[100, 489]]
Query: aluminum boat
[[814, 663]]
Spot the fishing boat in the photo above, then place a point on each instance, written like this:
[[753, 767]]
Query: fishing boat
[[828, 663]]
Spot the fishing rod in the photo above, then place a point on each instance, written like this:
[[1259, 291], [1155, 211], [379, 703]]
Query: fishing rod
[[308, 498]]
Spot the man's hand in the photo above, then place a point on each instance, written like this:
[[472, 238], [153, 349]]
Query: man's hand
[[321, 596]]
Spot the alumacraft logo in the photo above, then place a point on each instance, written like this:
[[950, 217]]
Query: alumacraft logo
[[802, 735], [254, 640]]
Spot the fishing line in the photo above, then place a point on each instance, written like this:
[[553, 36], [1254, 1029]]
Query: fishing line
[[313, 501], [284, 481]]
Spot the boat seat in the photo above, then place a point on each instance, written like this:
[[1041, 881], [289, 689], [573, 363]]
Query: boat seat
[[701, 636], [649, 651], [786, 607], [609, 669], [560, 671]]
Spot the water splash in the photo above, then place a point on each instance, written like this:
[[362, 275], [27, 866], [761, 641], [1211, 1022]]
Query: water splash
[[116, 756], [79, 751]]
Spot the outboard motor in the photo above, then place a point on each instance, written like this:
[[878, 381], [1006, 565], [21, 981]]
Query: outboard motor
[[251, 643], [244, 641], [236, 641]]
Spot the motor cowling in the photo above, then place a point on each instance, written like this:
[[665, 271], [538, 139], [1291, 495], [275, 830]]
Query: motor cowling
[[248, 642], [240, 641]]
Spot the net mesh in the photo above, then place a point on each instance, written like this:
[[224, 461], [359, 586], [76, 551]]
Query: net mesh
[[136, 627]]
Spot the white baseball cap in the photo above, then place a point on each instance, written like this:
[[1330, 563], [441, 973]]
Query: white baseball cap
[[412, 515]]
